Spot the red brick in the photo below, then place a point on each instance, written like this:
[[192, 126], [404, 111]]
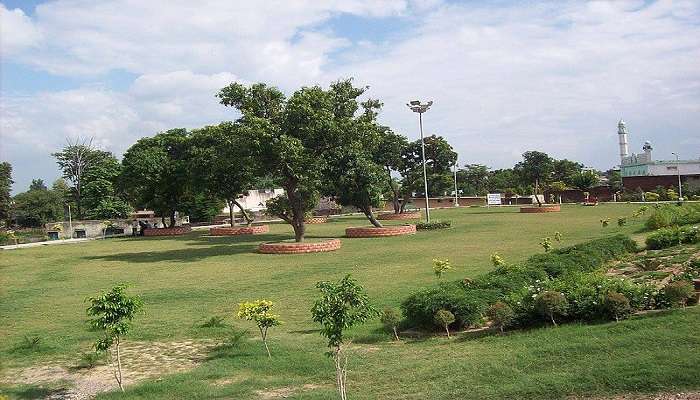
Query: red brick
[[239, 230]]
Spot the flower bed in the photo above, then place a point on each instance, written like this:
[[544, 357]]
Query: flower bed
[[178, 230], [370, 231], [406, 215], [316, 220], [238, 230], [299, 248], [544, 209]]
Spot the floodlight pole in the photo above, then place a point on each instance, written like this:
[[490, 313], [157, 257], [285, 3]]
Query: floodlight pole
[[416, 106], [678, 171], [456, 193]]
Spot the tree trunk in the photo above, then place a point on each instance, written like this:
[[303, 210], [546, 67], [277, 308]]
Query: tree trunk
[[248, 220], [396, 334], [119, 366], [263, 333], [340, 372], [172, 219], [370, 216], [447, 329], [299, 230], [230, 213], [537, 189], [551, 316], [394, 192]]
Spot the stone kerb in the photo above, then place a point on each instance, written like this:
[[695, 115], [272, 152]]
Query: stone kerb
[[239, 230], [299, 248], [174, 231], [369, 231]]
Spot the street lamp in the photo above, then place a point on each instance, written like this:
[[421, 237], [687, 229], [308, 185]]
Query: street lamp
[[456, 193], [678, 171], [416, 106]]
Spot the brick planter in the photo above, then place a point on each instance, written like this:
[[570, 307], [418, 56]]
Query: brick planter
[[299, 248], [239, 230], [370, 231], [178, 230], [406, 215], [316, 220], [547, 208]]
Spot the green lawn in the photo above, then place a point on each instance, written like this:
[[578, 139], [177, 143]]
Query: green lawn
[[186, 280]]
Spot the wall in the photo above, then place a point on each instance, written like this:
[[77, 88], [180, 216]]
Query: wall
[[648, 183], [94, 228]]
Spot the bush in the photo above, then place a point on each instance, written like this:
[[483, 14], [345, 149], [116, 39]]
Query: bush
[[669, 237], [390, 319], [444, 319], [651, 196], [466, 303], [679, 292], [501, 314], [670, 215], [429, 226], [617, 305], [550, 304]]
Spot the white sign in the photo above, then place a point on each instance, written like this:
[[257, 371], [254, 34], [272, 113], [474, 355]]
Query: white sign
[[493, 199]]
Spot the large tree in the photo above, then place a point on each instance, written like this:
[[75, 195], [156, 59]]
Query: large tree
[[37, 207], [155, 172], [536, 168], [223, 163], [73, 160], [473, 179], [101, 197], [389, 154], [293, 137], [565, 171], [584, 180], [439, 160], [5, 188]]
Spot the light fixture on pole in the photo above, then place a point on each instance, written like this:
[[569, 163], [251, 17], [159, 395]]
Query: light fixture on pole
[[420, 108], [678, 171], [456, 193]]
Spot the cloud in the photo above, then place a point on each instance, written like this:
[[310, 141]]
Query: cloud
[[505, 77], [17, 32]]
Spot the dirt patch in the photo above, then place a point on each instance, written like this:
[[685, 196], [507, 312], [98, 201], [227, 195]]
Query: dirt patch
[[141, 360], [284, 392], [657, 267]]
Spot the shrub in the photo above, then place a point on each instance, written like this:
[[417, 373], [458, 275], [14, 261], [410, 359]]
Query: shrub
[[617, 305], [443, 319], [216, 321], [432, 225], [669, 215], [550, 304], [660, 218], [679, 292], [467, 304], [651, 196], [501, 314], [605, 222], [390, 319], [622, 221], [441, 265], [669, 237], [546, 244], [497, 260]]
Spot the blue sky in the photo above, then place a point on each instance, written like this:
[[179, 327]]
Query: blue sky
[[506, 77]]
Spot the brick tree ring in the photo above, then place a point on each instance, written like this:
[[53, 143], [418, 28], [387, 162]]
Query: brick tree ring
[[316, 220], [544, 209], [406, 215], [299, 248], [178, 230], [370, 231], [239, 230]]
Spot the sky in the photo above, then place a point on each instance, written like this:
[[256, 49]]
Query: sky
[[505, 76]]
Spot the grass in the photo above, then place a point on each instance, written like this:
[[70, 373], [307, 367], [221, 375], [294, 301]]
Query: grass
[[184, 281]]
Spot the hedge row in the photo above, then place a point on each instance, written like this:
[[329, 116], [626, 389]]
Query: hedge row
[[429, 226], [568, 270], [673, 215]]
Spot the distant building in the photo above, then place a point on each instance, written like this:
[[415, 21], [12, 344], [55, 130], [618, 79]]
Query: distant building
[[642, 171]]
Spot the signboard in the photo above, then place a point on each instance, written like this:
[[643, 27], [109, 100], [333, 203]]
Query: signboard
[[493, 199]]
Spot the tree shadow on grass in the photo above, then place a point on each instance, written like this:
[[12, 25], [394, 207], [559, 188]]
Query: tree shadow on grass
[[179, 255], [36, 392]]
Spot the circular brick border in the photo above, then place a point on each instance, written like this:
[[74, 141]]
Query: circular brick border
[[406, 215], [316, 220], [299, 248], [178, 230], [371, 231], [544, 209], [239, 230]]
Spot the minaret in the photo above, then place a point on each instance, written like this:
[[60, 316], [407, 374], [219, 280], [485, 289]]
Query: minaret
[[622, 134]]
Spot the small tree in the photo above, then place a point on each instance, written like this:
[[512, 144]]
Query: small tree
[[679, 292], [497, 260], [500, 314], [557, 236], [443, 319], [342, 305], [550, 304], [617, 305], [546, 244], [260, 311], [441, 265], [622, 221], [113, 312], [605, 222], [390, 319]]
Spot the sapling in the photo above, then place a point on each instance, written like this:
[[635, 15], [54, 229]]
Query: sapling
[[605, 222], [390, 319], [497, 260], [550, 304], [443, 319], [500, 314], [546, 244], [622, 221], [557, 236], [113, 312], [342, 305], [260, 311], [440, 266]]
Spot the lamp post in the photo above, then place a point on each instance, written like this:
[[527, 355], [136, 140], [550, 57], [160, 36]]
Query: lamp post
[[456, 193], [678, 171], [420, 108]]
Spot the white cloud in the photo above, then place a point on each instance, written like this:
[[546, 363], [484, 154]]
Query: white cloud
[[17, 32]]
